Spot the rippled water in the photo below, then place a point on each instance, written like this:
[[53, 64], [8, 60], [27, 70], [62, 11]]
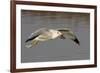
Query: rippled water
[[57, 49]]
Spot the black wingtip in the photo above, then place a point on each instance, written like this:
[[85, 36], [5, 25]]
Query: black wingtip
[[27, 40], [33, 37], [77, 41]]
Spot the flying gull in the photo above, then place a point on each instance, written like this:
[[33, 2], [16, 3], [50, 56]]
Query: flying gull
[[45, 34]]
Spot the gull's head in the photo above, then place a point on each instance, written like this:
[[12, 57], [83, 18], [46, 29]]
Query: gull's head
[[55, 33]]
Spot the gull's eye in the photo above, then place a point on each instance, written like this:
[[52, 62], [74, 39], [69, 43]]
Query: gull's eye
[[58, 33]]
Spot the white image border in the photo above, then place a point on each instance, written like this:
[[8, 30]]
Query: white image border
[[20, 65]]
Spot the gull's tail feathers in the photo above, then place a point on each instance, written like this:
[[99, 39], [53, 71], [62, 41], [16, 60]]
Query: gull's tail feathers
[[33, 43]]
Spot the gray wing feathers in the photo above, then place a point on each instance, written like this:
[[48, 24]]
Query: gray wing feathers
[[36, 34], [31, 38], [69, 34]]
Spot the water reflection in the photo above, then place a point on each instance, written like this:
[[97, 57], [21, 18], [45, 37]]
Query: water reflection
[[56, 51]]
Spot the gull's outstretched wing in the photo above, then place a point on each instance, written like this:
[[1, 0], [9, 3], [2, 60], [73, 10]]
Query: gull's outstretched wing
[[32, 40], [36, 34], [33, 36], [69, 34]]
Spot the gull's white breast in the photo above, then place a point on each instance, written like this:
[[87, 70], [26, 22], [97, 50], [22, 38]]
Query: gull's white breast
[[51, 34]]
